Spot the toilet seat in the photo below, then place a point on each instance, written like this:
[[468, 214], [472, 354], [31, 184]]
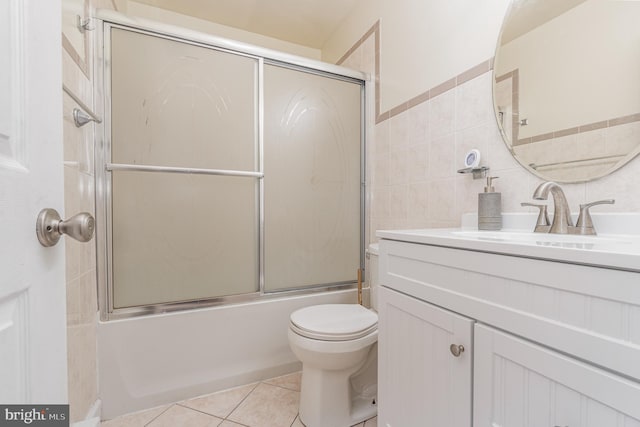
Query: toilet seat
[[334, 322]]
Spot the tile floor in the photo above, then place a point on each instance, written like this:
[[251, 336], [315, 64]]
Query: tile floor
[[269, 403]]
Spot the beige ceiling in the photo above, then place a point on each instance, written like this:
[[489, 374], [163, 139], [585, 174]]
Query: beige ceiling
[[305, 22], [525, 15]]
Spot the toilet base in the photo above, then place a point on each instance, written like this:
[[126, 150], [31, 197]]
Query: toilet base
[[328, 397]]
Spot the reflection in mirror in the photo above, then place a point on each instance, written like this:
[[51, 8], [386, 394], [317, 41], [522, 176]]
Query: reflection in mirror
[[567, 86]]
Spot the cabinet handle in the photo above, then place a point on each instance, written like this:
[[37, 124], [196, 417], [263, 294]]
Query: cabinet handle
[[456, 350]]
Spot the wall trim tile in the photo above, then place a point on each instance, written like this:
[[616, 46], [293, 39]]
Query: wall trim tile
[[439, 89]]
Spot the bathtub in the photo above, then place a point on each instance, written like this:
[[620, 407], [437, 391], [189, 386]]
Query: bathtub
[[158, 359]]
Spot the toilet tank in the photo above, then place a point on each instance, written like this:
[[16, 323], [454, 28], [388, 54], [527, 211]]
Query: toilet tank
[[372, 256]]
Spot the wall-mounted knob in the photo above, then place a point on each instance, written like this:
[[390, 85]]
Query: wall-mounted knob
[[49, 227], [456, 349]]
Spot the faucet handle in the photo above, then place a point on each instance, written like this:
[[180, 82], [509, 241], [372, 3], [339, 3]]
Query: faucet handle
[[542, 224], [585, 224]]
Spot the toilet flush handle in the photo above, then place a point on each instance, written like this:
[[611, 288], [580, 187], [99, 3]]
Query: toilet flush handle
[[456, 350]]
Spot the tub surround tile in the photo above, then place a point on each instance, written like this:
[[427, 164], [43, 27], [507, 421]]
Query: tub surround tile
[[81, 361], [220, 404], [268, 406]]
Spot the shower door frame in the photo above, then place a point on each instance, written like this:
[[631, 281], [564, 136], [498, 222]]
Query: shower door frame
[[103, 167]]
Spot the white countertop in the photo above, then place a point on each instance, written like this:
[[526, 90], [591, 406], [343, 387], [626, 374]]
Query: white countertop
[[610, 248]]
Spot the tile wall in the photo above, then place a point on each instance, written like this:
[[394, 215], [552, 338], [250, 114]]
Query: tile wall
[[415, 149], [79, 197]]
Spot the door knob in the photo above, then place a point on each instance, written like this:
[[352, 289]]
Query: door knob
[[49, 227], [456, 350]]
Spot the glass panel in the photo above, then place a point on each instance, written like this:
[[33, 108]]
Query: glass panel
[[175, 104], [182, 237], [312, 179]]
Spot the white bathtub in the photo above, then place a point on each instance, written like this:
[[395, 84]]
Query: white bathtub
[[149, 361]]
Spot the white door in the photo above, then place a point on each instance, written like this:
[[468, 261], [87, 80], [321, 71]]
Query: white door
[[32, 294], [518, 383], [420, 381]]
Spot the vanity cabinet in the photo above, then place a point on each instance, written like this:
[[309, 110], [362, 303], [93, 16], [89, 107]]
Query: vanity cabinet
[[421, 373], [519, 383], [552, 343]]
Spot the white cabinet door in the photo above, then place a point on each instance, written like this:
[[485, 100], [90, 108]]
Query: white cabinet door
[[420, 382], [518, 383]]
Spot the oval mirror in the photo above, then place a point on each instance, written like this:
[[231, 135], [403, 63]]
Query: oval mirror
[[566, 86]]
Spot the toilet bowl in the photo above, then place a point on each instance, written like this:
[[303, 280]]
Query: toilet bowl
[[337, 345]]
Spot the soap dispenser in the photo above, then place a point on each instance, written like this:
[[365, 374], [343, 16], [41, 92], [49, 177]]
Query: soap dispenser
[[489, 207]]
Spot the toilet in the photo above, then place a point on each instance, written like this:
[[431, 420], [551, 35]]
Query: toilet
[[337, 345]]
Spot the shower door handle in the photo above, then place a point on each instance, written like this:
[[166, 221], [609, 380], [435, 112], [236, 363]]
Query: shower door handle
[[49, 227]]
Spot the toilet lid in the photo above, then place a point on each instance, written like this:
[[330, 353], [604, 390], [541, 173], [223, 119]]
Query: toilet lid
[[334, 322]]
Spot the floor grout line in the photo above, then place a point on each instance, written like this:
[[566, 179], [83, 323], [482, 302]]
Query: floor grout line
[[198, 410], [156, 417], [184, 405], [239, 403]]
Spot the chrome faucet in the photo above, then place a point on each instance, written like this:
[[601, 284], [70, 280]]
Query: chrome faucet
[[562, 223], [561, 213]]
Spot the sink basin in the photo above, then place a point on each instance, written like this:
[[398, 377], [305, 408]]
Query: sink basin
[[541, 238], [616, 246]]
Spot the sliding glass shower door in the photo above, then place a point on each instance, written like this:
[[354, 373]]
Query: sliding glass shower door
[[181, 236], [312, 184], [226, 174]]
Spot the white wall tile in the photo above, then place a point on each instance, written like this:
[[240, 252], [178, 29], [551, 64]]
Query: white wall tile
[[419, 151], [474, 104], [399, 131], [442, 115], [398, 161], [441, 196], [419, 123], [418, 162], [442, 153]]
